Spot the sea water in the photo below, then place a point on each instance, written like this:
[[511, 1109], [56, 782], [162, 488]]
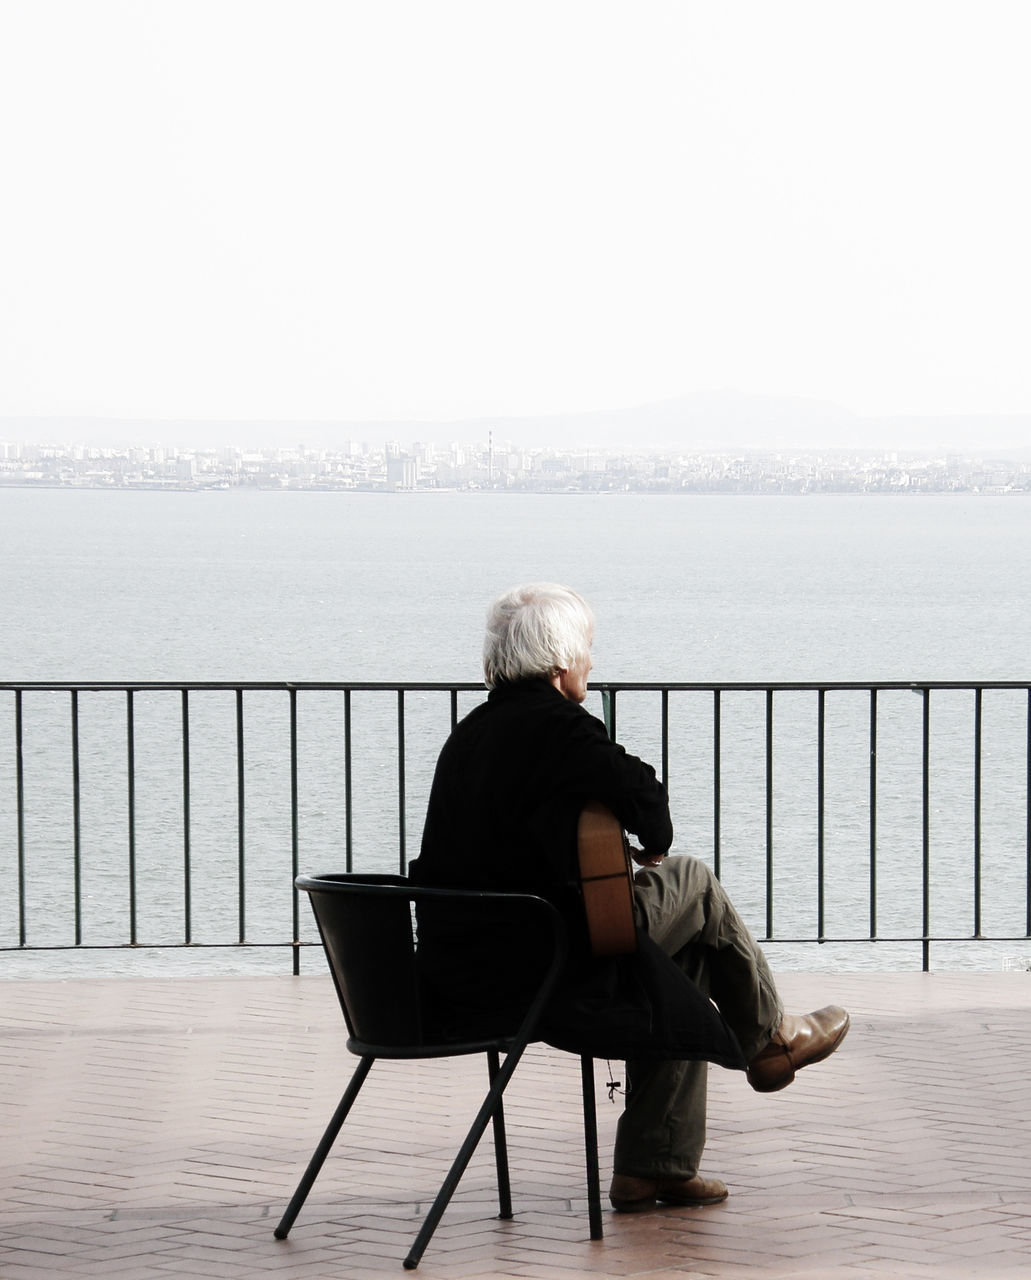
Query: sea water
[[250, 586]]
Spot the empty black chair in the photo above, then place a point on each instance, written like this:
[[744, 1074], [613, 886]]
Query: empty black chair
[[367, 928]]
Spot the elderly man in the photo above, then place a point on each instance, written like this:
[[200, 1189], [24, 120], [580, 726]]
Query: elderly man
[[509, 786]]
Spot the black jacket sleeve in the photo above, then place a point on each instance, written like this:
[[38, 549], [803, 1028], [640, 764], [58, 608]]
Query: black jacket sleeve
[[596, 768]]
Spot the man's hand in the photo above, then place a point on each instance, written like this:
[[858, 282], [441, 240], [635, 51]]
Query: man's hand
[[645, 859]]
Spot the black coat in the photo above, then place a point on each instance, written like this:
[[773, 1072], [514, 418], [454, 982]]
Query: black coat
[[507, 793]]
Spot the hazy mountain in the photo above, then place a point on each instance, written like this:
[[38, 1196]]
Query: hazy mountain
[[704, 421], [722, 420]]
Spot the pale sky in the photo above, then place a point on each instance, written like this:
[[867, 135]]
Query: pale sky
[[440, 209]]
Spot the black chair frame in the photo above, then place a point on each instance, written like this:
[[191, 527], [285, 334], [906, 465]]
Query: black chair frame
[[368, 899]]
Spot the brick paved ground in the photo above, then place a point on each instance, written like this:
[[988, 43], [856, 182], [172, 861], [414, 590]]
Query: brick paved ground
[[156, 1128]]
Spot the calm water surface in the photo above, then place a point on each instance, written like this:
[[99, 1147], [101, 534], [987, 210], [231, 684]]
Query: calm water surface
[[307, 586], [303, 586]]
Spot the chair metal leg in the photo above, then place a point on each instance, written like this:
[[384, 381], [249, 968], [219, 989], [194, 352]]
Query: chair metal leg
[[454, 1175], [323, 1149], [500, 1143], [591, 1147]]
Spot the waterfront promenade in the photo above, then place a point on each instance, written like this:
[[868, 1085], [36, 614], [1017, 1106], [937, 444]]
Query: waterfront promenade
[[156, 1127]]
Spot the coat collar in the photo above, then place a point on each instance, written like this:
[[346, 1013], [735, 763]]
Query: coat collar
[[535, 688]]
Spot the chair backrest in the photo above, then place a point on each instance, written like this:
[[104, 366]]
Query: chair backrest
[[367, 927], [365, 923]]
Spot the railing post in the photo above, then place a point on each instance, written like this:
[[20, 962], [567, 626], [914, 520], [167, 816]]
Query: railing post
[[241, 824], [76, 820], [295, 836], [978, 715], [348, 787], [608, 711], [402, 800], [187, 852], [821, 813], [873, 813], [130, 750], [717, 766], [19, 787], [769, 813], [926, 831]]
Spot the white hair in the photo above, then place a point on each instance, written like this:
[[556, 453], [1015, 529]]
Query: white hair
[[536, 630]]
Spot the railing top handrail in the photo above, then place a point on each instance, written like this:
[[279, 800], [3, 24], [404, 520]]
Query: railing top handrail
[[471, 686]]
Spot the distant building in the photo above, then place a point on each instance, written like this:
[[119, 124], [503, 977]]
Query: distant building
[[402, 473]]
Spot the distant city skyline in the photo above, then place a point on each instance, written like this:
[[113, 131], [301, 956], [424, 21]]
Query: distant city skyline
[[509, 467], [333, 211]]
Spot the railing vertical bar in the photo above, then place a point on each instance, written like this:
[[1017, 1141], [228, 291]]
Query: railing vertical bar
[[241, 822], [717, 761], [454, 709], [295, 836], [187, 851], [926, 831], [665, 739], [978, 722], [76, 819], [1027, 819], [130, 763], [608, 711], [402, 799], [873, 813], [821, 813], [19, 785], [348, 787], [769, 813]]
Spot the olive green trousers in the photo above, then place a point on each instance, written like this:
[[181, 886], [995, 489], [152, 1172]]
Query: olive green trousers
[[686, 911]]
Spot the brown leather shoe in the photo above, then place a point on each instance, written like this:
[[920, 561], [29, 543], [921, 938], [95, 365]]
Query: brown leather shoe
[[635, 1195], [796, 1043]]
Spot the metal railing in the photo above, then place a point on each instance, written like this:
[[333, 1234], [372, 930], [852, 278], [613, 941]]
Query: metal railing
[[167, 815]]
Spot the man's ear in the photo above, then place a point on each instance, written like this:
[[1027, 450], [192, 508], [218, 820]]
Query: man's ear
[[559, 679]]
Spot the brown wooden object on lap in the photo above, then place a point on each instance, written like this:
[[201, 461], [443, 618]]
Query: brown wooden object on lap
[[607, 881]]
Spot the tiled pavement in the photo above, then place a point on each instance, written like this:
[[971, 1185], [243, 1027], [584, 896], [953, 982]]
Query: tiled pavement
[[156, 1127]]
